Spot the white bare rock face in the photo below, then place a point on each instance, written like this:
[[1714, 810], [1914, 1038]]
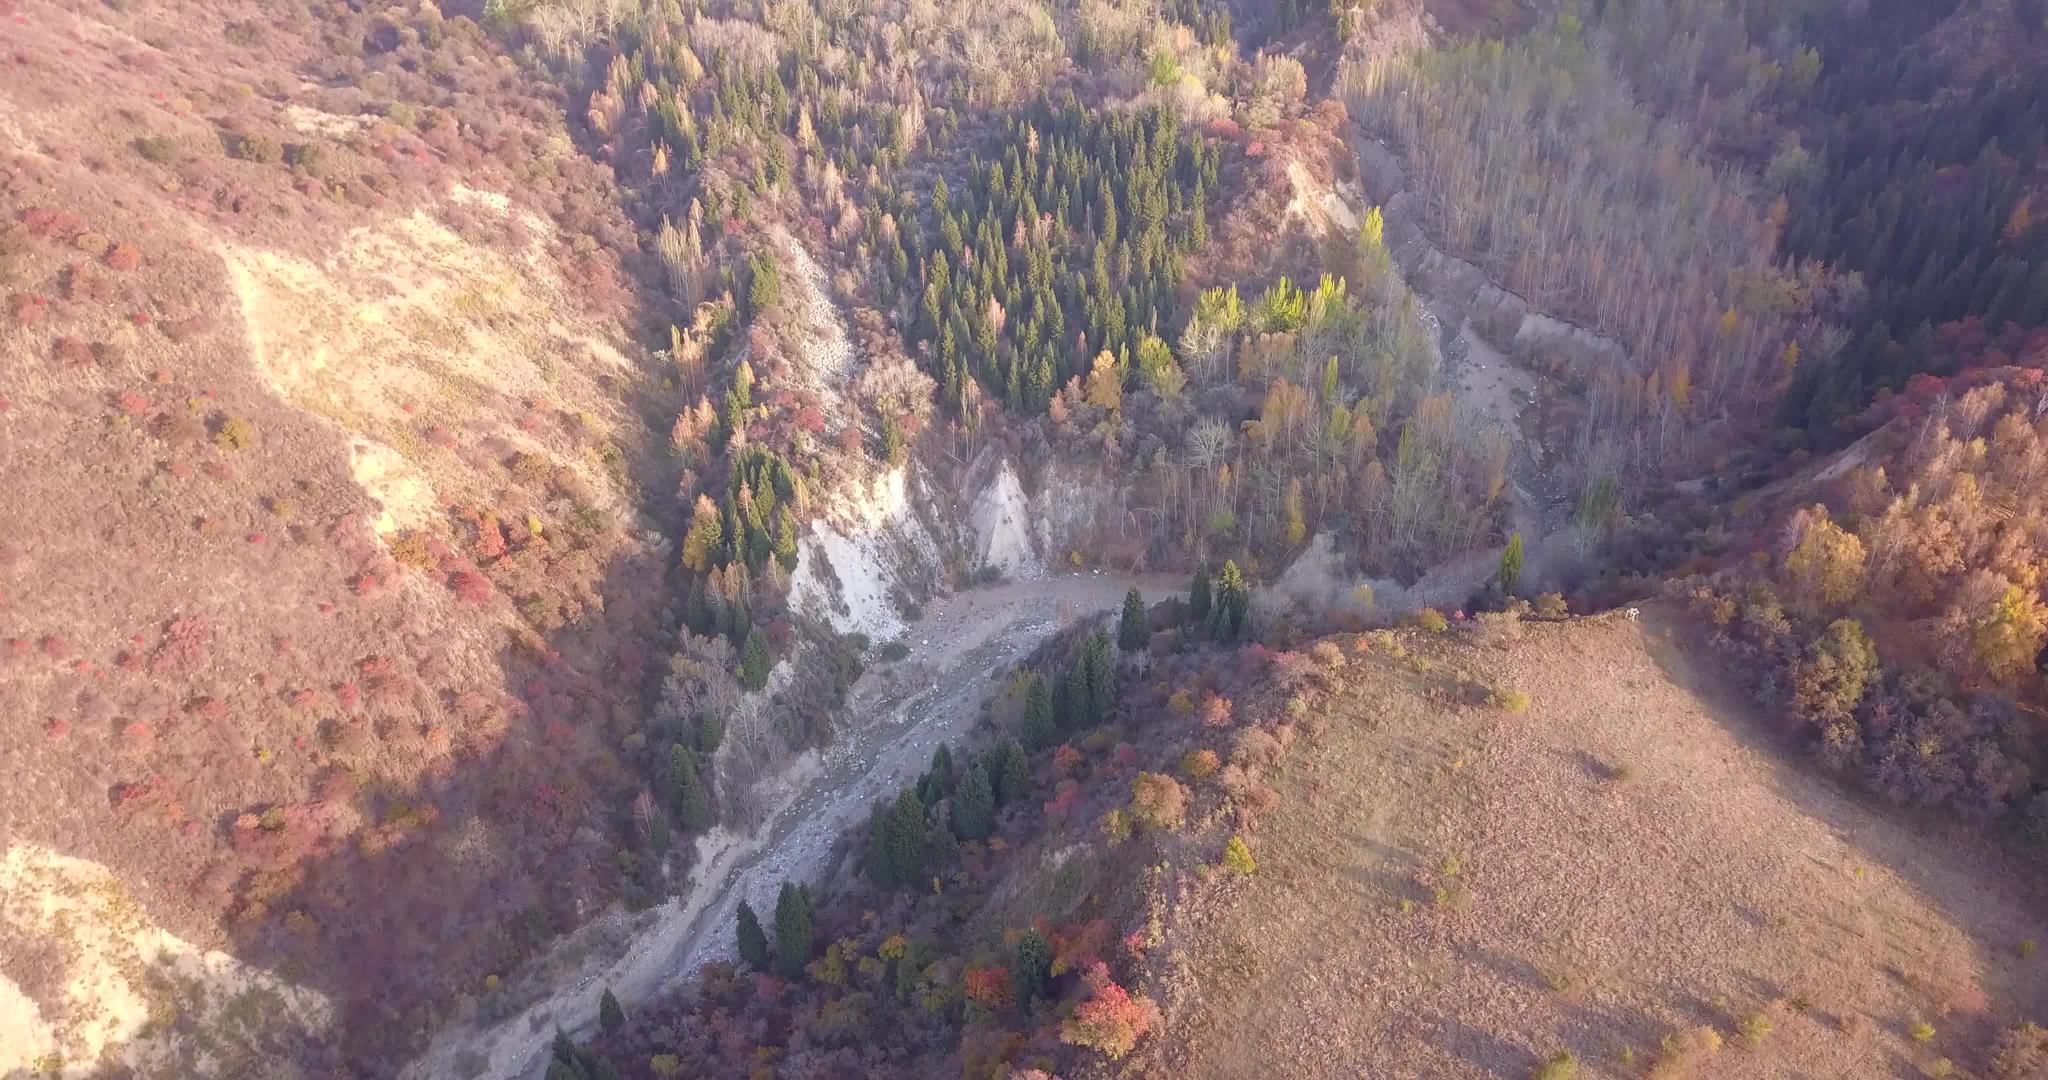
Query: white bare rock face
[[1003, 537], [869, 544]]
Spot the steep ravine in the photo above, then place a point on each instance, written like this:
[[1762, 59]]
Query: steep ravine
[[954, 648], [1480, 328], [862, 553]]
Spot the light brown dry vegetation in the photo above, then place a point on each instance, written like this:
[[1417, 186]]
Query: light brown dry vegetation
[[1457, 891], [323, 591]]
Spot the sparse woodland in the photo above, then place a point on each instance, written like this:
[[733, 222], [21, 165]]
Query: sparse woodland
[[1535, 160]]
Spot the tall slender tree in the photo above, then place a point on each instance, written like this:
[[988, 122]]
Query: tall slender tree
[[1036, 729], [1230, 615], [691, 804], [1511, 565], [1132, 632], [793, 931], [1198, 596], [974, 806], [753, 941]]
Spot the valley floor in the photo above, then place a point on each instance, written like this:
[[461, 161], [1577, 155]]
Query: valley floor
[[901, 713], [1460, 892]]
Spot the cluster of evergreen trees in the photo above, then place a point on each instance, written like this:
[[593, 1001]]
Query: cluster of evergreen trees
[[1083, 699], [1925, 184], [918, 833], [730, 542], [757, 517], [795, 933], [569, 1060], [1222, 608], [1069, 244]]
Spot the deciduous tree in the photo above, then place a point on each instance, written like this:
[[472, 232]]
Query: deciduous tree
[[1110, 1020]]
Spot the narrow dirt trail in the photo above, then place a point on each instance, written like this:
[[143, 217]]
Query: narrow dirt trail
[[900, 714]]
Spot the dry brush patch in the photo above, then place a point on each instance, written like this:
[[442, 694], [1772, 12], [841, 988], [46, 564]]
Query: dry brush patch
[[1453, 890], [381, 763]]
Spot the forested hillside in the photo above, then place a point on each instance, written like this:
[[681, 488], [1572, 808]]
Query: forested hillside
[[481, 471], [1923, 171]]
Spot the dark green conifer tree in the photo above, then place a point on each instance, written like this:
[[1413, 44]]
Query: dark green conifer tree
[[690, 802], [1132, 631], [753, 940], [1198, 596], [1036, 729], [793, 931], [1030, 967], [974, 806], [755, 663]]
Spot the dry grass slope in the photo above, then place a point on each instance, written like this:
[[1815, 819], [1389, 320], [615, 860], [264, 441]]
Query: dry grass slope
[[1458, 892], [327, 583]]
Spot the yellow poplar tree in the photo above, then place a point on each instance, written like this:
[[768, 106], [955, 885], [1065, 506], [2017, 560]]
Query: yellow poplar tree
[[1105, 384], [1297, 525], [706, 530], [2009, 636], [1826, 565]]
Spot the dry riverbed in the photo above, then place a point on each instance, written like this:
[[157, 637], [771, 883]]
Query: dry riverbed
[[901, 712]]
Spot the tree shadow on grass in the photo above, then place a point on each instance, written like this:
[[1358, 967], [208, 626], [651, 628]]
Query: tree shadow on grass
[[1953, 867]]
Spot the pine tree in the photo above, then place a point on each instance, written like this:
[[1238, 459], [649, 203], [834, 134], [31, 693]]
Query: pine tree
[[1070, 705], [793, 932], [753, 941], [1230, 615], [1198, 596], [1132, 632], [906, 841], [1008, 770], [785, 542], [894, 449], [764, 286], [1030, 966], [732, 420], [610, 1015], [710, 732], [1099, 672], [707, 531], [1014, 782], [692, 805], [1037, 729], [881, 868], [755, 663], [937, 781], [974, 806]]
